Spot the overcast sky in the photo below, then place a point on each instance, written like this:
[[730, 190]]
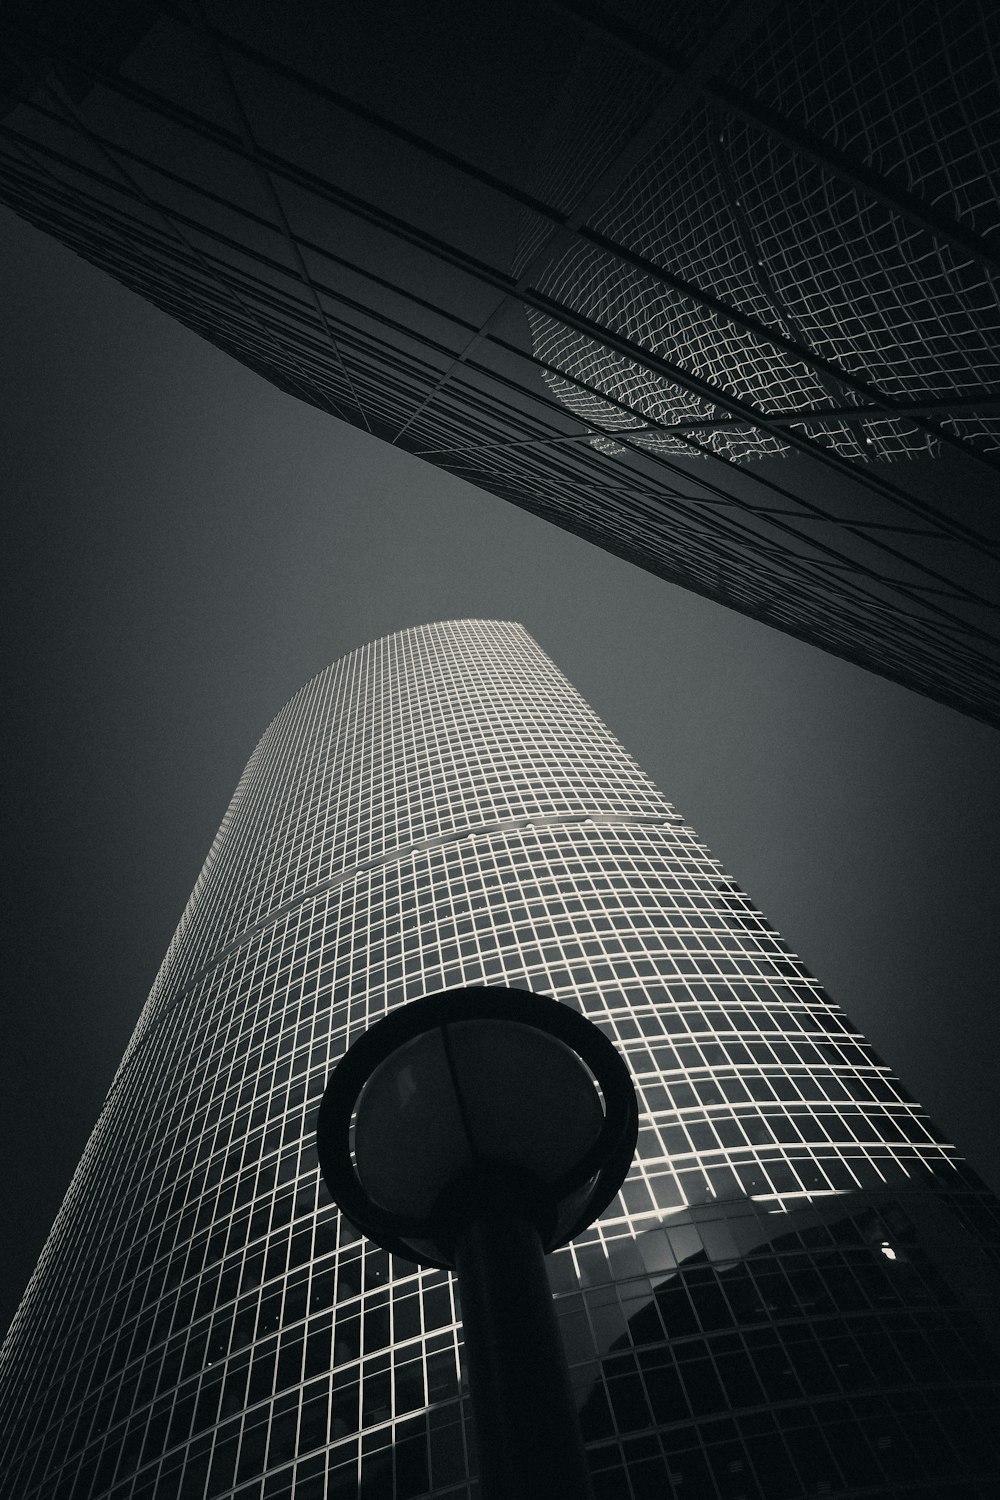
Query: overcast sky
[[188, 546]]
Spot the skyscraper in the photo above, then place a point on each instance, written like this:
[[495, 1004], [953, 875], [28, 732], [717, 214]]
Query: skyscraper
[[714, 287], [795, 1293]]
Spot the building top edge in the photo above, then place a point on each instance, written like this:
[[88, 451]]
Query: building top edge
[[428, 626]]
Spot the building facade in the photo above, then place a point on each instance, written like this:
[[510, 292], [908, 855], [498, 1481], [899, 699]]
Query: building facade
[[796, 1292], [716, 287], [811, 280]]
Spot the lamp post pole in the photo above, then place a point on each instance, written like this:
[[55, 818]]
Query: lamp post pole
[[530, 1446]]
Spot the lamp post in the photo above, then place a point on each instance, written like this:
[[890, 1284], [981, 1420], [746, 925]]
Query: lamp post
[[490, 1126]]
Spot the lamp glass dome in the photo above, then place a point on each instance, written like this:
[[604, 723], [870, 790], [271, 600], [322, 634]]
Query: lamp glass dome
[[469, 1094]]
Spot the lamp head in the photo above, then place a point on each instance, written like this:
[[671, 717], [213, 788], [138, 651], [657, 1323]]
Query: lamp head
[[473, 1101]]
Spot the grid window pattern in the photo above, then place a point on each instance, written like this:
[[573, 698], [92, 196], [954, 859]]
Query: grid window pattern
[[668, 276], [752, 217], [795, 1258]]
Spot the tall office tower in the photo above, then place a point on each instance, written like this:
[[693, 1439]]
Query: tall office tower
[[794, 1294], [715, 286]]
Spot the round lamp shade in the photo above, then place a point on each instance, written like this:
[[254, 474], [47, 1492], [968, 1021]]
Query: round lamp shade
[[468, 1096], [473, 1101]]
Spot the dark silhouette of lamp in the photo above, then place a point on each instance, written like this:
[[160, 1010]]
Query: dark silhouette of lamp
[[490, 1126]]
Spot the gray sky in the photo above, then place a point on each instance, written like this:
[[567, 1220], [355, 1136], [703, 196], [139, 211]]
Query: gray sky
[[188, 546]]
